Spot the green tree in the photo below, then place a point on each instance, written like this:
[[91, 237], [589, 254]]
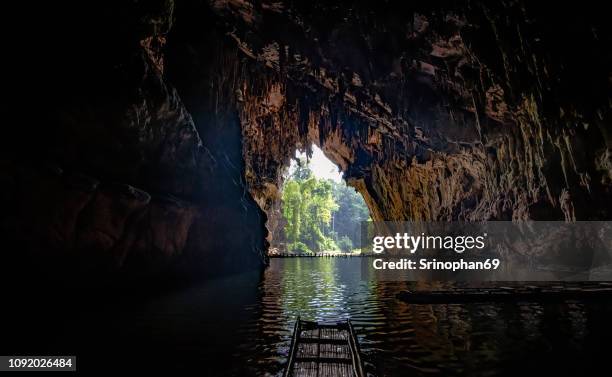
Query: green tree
[[321, 215], [352, 211], [316, 211], [308, 204], [345, 244], [292, 210]]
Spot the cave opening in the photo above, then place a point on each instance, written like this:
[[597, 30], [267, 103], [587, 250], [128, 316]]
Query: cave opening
[[318, 213]]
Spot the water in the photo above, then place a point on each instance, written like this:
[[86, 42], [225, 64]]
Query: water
[[241, 326], [422, 340]]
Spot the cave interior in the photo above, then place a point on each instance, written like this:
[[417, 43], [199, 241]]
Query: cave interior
[[145, 141], [151, 138]]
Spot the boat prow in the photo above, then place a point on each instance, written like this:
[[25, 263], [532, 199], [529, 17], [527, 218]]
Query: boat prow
[[324, 350]]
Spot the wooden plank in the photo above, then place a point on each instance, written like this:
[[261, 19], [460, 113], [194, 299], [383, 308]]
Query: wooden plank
[[322, 340], [314, 325], [356, 352], [294, 342], [328, 360]]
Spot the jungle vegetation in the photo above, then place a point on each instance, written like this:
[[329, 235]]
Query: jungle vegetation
[[320, 214]]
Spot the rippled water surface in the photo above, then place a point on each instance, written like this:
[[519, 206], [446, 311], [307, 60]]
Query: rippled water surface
[[241, 326], [403, 339]]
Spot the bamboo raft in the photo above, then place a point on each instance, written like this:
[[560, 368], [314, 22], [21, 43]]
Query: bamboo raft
[[324, 350], [508, 294]]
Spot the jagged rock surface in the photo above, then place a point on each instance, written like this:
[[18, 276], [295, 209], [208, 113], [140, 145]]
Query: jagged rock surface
[[189, 112], [103, 225], [435, 111], [103, 108]]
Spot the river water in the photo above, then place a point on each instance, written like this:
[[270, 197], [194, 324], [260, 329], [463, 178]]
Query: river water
[[420, 340], [241, 326]]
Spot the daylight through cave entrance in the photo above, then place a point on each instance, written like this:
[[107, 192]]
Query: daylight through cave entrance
[[319, 213]]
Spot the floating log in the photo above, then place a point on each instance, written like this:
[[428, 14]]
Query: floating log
[[507, 294]]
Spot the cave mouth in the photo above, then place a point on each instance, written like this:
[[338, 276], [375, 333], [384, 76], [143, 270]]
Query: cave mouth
[[319, 214]]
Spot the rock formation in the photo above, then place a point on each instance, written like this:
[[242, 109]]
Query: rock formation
[[434, 111], [138, 133]]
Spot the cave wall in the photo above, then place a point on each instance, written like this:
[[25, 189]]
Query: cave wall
[[434, 110], [106, 167], [146, 135]]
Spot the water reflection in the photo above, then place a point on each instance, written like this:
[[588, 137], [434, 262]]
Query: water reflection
[[402, 339], [241, 326]]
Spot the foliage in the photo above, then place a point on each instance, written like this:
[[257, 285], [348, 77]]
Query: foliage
[[352, 211], [307, 206], [302, 170], [329, 244], [345, 244], [299, 248], [321, 215]]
